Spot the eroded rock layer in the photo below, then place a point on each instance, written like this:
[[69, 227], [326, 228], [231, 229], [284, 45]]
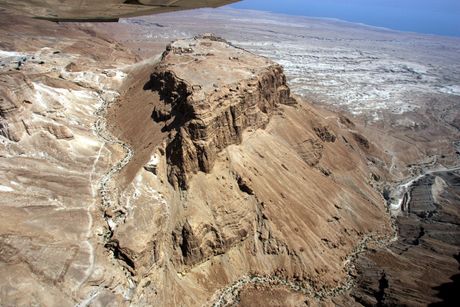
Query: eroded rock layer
[[54, 78], [170, 182], [255, 184], [208, 103], [422, 267]]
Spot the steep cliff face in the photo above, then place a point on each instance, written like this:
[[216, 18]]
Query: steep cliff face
[[206, 115], [254, 184], [173, 181]]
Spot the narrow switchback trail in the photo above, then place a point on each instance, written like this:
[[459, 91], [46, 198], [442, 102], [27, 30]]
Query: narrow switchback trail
[[401, 193], [427, 245], [105, 191], [229, 295], [116, 132]]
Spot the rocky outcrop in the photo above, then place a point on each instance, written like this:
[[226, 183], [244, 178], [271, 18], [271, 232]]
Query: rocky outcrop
[[207, 105], [361, 141], [325, 134], [16, 94], [311, 151], [254, 183], [90, 216]]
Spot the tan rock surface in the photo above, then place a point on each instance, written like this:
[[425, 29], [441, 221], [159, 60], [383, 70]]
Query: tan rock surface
[[51, 161], [272, 187], [210, 96], [260, 205], [390, 88]]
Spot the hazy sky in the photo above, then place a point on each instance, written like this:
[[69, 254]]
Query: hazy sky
[[426, 16]]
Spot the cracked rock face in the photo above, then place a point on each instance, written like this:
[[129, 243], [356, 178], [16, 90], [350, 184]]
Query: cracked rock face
[[208, 103], [255, 183], [168, 182]]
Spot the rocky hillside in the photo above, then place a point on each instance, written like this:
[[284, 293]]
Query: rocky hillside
[[256, 201], [207, 114], [173, 181]]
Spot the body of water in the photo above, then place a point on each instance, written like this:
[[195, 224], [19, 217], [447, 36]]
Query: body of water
[[441, 17]]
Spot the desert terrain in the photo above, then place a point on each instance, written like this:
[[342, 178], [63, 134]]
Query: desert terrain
[[404, 85], [277, 162]]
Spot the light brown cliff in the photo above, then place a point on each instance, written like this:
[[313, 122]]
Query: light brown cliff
[[166, 182], [211, 92], [255, 184]]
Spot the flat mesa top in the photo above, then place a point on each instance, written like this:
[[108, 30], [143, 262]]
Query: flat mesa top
[[210, 62], [102, 10]]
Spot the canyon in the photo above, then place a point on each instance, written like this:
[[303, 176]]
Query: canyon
[[198, 173]]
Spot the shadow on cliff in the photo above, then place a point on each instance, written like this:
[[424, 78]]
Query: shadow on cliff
[[449, 292], [171, 110]]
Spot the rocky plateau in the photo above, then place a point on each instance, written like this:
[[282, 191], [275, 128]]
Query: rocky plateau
[[187, 173]]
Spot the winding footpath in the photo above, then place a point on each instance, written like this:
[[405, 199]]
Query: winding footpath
[[401, 193], [100, 129], [105, 187], [230, 294]]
